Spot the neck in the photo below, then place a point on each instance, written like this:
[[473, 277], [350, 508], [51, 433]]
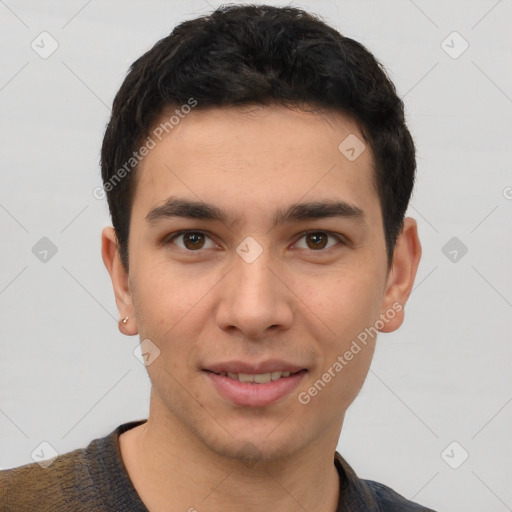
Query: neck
[[169, 465]]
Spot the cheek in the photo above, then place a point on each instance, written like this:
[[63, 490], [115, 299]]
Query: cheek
[[353, 308], [164, 297], [346, 302], [346, 352], [173, 310]]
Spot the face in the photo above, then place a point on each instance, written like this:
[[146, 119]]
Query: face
[[272, 275]]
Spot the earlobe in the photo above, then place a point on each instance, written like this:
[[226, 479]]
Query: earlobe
[[406, 259], [120, 281]]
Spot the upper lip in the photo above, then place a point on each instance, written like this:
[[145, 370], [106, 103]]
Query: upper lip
[[271, 365]]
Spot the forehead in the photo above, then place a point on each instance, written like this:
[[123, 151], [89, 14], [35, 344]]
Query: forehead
[[256, 156]]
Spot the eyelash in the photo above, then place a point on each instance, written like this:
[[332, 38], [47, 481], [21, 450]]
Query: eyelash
[[169, 239]]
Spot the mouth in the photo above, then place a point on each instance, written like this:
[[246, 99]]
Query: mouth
[[258, 378], [256, 385]]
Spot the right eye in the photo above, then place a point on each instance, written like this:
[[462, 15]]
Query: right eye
[[190, 240]]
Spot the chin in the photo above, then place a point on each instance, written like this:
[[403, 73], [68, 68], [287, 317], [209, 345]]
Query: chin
[[251, 445], [252, 451]]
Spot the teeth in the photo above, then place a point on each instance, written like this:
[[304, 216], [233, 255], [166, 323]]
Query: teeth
[[262, 378], [258, 378]]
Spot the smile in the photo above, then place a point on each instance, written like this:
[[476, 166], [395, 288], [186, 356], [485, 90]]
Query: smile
[[254, 389], [256, 378]]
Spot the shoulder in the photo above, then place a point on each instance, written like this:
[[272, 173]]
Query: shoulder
[[389, 500], [91, 478], [368, 495], [44, 487]]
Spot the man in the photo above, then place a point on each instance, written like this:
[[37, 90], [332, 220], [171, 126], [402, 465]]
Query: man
[[257, 168]]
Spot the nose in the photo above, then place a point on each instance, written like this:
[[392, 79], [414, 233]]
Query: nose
[[254, 299]]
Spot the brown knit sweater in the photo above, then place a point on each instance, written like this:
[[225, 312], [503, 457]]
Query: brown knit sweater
[[94, 479]]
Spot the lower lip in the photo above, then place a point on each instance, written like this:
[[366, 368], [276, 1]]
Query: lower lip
[[248, 394]]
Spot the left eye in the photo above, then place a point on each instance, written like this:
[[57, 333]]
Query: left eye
[[317, 240]]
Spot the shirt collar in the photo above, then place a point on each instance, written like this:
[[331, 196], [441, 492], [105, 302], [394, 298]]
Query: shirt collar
[[355, 495]]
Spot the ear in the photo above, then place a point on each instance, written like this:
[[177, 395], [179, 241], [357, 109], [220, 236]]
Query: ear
[[120, 281], [406, 258]]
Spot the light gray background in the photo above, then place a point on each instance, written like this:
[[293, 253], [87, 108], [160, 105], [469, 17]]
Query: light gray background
[[68, 376]]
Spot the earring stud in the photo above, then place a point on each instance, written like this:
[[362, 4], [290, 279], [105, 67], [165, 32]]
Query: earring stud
[[125, 320]]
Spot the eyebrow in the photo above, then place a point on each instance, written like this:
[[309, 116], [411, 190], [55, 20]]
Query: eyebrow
[[180, 207]]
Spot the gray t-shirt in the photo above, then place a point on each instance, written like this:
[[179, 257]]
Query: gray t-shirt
[[95, 479]]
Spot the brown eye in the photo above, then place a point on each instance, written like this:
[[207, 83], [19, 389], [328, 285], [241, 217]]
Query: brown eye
[[318, 240], [191, 240]]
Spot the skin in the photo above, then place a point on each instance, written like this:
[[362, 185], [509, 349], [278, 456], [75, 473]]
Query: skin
[[295, 302]]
